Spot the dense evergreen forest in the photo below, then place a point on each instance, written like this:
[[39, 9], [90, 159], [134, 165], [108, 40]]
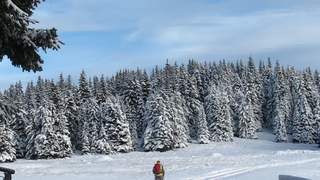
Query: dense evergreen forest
[[168, 108]]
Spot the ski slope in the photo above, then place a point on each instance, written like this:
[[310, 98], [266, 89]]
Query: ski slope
[[241, 160]]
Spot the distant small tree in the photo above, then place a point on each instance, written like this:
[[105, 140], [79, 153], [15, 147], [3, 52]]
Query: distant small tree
[[18, 40]]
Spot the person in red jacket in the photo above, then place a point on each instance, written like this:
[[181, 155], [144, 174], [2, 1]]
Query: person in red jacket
[[158, 171]]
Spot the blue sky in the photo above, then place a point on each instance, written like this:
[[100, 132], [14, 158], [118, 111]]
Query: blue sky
[[103, 36]]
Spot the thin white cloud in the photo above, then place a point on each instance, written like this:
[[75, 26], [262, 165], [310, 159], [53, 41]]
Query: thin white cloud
[[250, 33]]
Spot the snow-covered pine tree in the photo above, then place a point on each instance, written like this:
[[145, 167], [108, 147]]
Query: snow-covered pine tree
[[282, 105], [311, 89], [194, 70], [132, 98], [202, 132], [95, 86], [45, 139], [102, 145], [313, 97], [145, 85], [7, 146], [18, 122], [253, 89], [85, 125], [102, 91], [62, 83], [218, 114], [71, 110], [38, 90], [267, 91], [316, 77], [61, 124], [83, 91], [194, 111], [316, 118], [235, 87], [247, 126], [88, 118], [116, 125], [279, 125], [7, 136], [303, 121], [158, 134], [169, 75], [178, 109]]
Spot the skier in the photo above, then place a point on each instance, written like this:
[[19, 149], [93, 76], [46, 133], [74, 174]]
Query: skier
[[158, 171]]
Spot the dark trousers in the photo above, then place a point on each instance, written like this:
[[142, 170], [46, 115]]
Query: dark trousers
[[159, 177]]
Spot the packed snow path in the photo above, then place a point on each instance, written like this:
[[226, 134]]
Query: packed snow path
[[242, 160]]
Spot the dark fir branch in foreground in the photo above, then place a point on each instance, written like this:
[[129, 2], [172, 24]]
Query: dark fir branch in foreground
[[170, 108], [19, 41]]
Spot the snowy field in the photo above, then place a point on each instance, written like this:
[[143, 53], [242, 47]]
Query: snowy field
[[242, 160]]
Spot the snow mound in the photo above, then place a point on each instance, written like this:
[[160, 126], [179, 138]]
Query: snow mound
[[216, 155]]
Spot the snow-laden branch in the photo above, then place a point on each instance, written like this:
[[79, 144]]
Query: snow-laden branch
[[16, 8]]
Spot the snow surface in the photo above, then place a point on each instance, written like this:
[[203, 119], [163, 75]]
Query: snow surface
[[242, 159]]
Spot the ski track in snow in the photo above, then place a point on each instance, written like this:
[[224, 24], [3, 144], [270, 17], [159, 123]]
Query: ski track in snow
[[226, 173]]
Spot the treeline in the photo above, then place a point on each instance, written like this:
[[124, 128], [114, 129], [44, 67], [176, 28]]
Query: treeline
[[168, 108]]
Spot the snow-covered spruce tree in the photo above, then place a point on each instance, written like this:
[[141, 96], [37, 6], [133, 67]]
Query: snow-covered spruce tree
[[18, 121], [316, 118], [31, 106], [158, 135], [102, 145], [71, 111], [88, 118], [316, 77], [19, 126], [313, 97], [218, 114], [45, 139], [247, 126], [39, 88], [194, 111], [145, 84], [281, 104], [19, 40], [85, 125], [61, 124], [303, 130], [267, 91], [226, 74], [279, 125], [132, 98], [7, 136], [199, 114], [236, 87], [7, 146], [170, 80], [95, 86], [253, 89], [303, 123], [311, 90], [177, 108], [116, 125], [102, 92], [194, 70]]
